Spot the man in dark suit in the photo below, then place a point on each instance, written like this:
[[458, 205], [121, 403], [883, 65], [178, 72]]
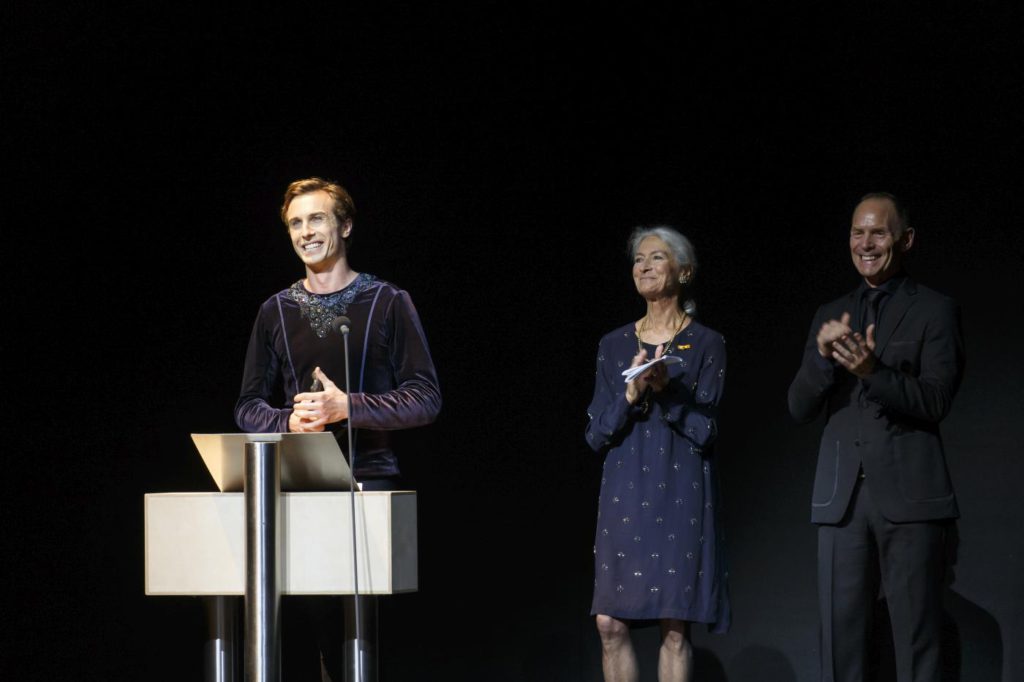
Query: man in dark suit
[[884, 362]]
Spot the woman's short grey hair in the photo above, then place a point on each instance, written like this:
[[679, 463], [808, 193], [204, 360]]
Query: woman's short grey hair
[[681, 248]]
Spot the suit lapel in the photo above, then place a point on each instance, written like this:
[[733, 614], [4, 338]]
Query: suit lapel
[[894, 313]]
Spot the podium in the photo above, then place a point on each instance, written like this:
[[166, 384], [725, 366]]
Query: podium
[[262, 542]]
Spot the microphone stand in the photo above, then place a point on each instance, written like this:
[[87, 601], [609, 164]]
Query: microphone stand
[[356, 665]]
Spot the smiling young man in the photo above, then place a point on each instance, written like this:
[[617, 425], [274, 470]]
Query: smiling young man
[[884, 363], [393, 383]]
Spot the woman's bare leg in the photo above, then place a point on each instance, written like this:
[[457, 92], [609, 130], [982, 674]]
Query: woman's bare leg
[[675, 659], [618, 660]]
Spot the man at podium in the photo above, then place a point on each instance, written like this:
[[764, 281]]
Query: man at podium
[[294, 374]]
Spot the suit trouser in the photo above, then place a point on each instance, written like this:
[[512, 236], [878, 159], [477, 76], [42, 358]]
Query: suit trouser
[[907, 559]]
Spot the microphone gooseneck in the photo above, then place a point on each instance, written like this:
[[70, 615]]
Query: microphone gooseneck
[[343, 325]]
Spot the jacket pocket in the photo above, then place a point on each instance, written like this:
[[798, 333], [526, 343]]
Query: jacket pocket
[[904, 356], [826, 478], [922, 467]]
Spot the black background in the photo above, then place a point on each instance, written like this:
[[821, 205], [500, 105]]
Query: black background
[[499, 154]]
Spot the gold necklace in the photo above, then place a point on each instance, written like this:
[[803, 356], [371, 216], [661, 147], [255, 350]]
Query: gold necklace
[[667, 344]]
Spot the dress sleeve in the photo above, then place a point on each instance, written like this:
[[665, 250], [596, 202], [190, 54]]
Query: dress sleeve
[[253, 413], [610, 413], [693, 410], [815, 378], [928, 395], [416, 398]]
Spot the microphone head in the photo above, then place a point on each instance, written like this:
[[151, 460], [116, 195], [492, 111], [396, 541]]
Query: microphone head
[[341, 324]]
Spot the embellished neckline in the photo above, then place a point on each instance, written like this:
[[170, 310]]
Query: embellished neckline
[[687, 332], [321, 309], [685, 325]]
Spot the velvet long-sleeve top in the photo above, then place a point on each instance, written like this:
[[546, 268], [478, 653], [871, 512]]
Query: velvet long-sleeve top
[[393, 385], [658, 549]]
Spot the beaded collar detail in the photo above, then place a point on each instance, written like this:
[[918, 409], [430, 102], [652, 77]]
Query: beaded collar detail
[[320, 309]]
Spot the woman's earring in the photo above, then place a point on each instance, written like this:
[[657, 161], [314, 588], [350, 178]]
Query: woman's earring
[[683, 279]]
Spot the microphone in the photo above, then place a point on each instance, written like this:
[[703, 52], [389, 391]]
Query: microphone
[[341, 324]]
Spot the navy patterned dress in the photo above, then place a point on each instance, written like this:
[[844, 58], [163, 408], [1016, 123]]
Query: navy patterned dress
[[658, 552]]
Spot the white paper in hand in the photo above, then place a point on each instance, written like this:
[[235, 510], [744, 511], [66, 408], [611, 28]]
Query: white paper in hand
[[633, 372]]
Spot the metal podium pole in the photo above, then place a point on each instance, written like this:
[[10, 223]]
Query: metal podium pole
[[262, 588]]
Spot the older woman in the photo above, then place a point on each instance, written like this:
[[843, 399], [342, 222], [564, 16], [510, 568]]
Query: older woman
[[657, 549]]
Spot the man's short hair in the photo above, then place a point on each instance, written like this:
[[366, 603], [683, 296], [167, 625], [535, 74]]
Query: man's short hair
[[344, 207], [902, 216]]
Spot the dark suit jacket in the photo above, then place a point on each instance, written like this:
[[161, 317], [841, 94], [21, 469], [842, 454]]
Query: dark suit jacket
[[887, 423]]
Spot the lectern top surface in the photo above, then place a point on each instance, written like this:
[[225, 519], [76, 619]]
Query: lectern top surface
[[309, 461]]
